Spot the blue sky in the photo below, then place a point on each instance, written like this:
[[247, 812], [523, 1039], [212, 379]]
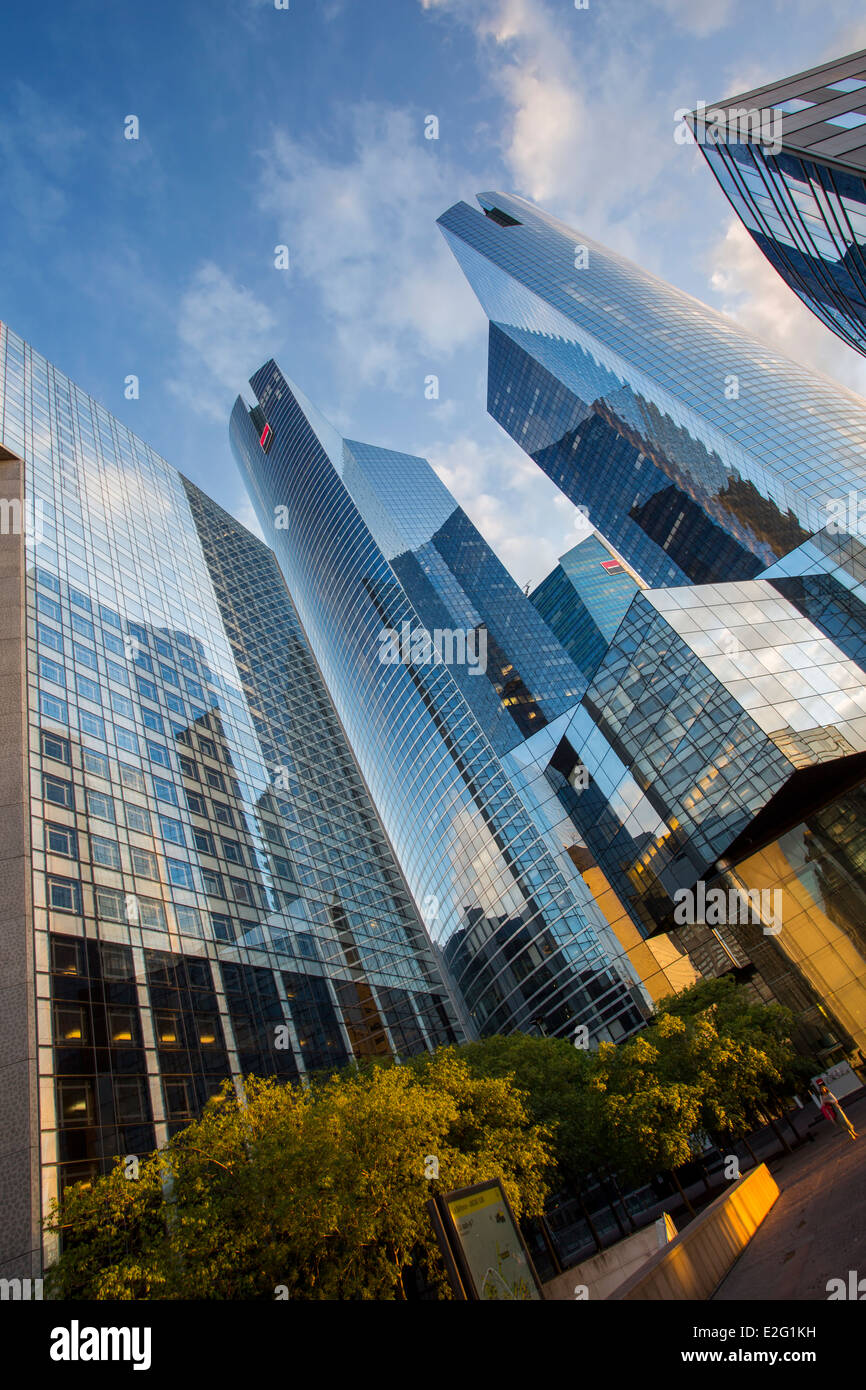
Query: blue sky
[[305, 127]]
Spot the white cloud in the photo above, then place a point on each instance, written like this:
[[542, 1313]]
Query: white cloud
[[362, 230], [758, 298], [569, 142], [226, 332], [698, 17]]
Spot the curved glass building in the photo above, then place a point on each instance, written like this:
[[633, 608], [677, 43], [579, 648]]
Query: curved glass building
[[701, 454], [369, 542], [802, 196]]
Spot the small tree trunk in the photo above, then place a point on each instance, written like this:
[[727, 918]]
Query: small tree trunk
[[689, 1206]]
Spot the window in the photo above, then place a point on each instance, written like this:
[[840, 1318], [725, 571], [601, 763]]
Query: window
[[233, 852], [188, 920], [59, 839], [131, 777], [127, 740], [105, 852], [178, 1099], [179, 873], [164, 790], [70, 1025], [158, 754], [66, 957], [110, 904], [49, 638], [56, 790], [222, 927], [55, 747], [213, 883], [84, 656], [87, 689], [80, 599], [207, 746], [204, 841], [143, 862], [117, 673], [152, 720], [122, 1026], [188, 768], [51, 671], [196, 804], [243, 892], [121, 705], [91, 724], [49, 580], [223, 813], [52, 708], [216, 779], [137, 819], [76, 1102], [130, 1101], [152, 913], [98, 805], [46, 605], [148, 691], [64, 895], [96, 763], [172, 830]]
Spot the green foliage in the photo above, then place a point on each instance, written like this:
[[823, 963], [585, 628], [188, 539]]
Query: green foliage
[[319, 1190], [555, 1079], [707, 1062]]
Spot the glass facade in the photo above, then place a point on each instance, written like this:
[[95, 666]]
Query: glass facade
[[817, 963], [700, 453], [207, 890], [584, 600], [372, 544], [803, 203]]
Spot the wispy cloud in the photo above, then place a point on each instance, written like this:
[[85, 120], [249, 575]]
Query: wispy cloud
[[224, 333], [361, 231]]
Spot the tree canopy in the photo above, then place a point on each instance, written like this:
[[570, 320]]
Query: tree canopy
[[304, 1192]]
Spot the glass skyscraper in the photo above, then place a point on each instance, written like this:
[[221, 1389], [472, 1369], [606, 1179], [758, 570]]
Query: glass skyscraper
[[700, 453], [584, 600], [196, 883], [801, 195], [730, 704], [374, 549]]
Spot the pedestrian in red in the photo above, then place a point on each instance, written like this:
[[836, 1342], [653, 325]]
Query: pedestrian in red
[[832, 1110]]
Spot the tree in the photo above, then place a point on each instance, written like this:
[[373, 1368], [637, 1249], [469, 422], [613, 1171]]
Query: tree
[[760, 1066], [305, 1192], [555, 1079]]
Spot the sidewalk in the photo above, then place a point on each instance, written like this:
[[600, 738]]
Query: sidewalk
[[817, 1229]]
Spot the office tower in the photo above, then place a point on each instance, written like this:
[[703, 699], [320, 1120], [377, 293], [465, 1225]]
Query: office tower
[[701, 454], [385, 570], [196, 884], [584, 600], [791, 159], [721, 739]]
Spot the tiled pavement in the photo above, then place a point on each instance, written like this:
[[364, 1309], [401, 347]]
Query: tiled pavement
[[817, 1229]]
